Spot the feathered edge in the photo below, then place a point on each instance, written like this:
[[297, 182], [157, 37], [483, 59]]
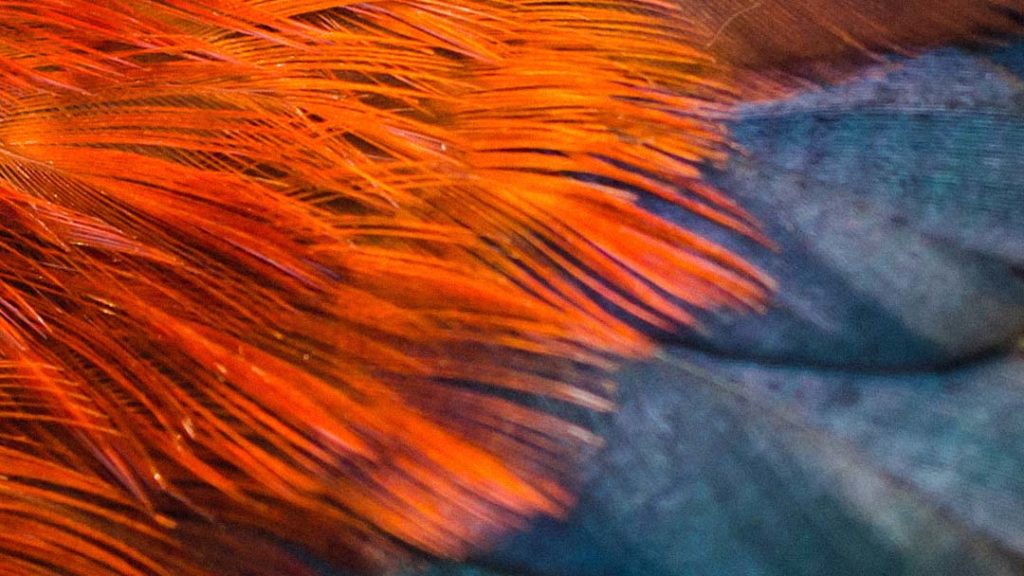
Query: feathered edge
[[274, 266]]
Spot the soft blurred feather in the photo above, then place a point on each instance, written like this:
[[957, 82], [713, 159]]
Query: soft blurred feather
[[828, 39]]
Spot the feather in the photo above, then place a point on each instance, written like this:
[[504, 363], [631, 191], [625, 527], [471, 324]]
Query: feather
[[829, 39], [270, 266], [280, 274]]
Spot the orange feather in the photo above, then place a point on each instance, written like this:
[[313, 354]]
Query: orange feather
[[286, 271]]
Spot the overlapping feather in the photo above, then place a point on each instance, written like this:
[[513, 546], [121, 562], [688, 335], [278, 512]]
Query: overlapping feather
[[277, 270], [254, 248]]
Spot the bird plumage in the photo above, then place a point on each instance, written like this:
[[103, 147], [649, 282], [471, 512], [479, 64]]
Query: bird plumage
[[283, 271]]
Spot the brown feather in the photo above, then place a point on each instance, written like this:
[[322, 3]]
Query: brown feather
[[827, 39]]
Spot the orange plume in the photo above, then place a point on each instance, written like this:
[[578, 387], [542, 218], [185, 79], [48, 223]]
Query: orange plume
[[286, 271]]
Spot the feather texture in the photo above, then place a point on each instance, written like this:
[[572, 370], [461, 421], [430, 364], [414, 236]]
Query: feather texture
[[279, 271], [813, 36], [251, 250]]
